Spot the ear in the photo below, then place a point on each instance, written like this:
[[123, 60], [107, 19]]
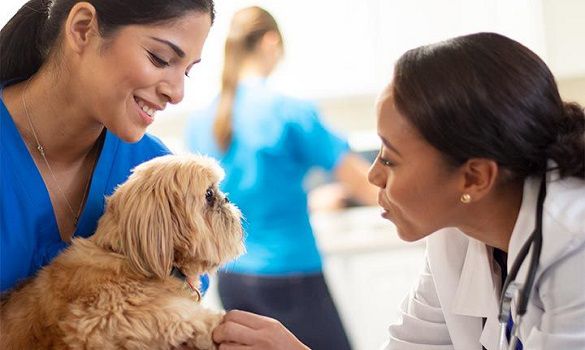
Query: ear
[[80, 26], [271, 38], [479, 177], [147, 230], [270, 43]]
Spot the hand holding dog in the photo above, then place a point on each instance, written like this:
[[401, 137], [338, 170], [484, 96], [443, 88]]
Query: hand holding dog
[[245, 330]]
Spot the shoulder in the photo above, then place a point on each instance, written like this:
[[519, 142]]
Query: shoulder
[[286, 106], [563, 220], [565, 205], [296, 108]]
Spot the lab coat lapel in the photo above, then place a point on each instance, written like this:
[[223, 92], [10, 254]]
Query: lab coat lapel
[[448, 250], [477, 292]]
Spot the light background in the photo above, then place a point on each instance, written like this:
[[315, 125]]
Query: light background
[[340, 53]]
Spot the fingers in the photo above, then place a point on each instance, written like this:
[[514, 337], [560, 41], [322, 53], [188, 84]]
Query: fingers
[[228, 346], [230, 331], [241, 330], [248, 319]]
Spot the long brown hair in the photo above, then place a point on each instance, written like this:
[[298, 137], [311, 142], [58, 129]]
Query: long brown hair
[[247, 28], [27, 40]]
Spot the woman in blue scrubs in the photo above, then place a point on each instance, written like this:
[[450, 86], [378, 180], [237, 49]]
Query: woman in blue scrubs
[[268, 142], [81, 82]]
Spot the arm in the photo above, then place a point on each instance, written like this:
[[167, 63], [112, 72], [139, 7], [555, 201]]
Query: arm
[[422, 325], [352, 172], [314, 144], [245, 330]]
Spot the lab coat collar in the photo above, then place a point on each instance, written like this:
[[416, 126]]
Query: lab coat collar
[[478, 282], [562, 228], [480, 276], [525, 222], [561, 221], [477, 294]]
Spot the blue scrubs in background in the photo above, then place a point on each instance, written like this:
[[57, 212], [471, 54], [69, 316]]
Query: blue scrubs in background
[[276, 140]]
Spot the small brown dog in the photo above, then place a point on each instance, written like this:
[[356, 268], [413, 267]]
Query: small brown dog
[[115, 290]]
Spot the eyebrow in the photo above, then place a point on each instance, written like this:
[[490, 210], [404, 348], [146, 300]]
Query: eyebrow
[[389, 145], [175, 48]]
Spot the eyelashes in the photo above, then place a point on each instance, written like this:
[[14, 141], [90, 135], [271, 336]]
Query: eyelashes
[[160, 63], [157, 61], [385, 162]]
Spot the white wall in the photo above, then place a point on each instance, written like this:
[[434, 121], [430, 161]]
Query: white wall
[[336, 48], [347, 47], [564, 23]]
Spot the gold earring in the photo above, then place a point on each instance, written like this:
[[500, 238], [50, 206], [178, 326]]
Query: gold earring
[[465, 198]]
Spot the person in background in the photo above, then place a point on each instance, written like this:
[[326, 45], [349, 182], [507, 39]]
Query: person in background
[[80, 83], [481, 119], [268, 142]]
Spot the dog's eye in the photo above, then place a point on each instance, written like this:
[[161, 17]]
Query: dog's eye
[[210, 196]]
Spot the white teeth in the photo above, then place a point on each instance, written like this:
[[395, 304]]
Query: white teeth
[[145, 108]]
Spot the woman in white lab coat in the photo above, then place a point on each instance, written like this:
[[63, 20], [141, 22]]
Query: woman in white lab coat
[[470, 128]]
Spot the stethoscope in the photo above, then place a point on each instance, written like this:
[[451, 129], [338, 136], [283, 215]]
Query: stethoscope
[[512, 288]]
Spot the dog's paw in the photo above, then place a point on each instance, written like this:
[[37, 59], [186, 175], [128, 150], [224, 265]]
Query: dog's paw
[[215, 319], [201, 339]]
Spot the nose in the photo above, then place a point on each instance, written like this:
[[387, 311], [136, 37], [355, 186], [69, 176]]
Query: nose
[[173, 89], [375, 175]]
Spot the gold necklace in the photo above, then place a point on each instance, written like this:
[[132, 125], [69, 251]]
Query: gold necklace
[[41, 149]]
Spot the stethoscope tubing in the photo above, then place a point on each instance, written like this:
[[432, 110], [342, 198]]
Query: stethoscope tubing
[[511, 287]]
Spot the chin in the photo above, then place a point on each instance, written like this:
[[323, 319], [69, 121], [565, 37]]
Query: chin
[[130, 136], [409, 234], [134, 138]]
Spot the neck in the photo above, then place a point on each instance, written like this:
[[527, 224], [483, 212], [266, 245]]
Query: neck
[[66, 133], [254, 68], [492, 219]]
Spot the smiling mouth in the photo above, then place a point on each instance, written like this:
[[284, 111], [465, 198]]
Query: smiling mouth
[[145, 108]]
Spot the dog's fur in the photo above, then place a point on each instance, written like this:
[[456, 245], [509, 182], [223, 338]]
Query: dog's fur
[[115, 290]]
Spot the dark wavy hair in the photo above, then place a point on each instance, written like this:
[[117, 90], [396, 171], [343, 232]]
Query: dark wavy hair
[[28, 38], [487, 96]]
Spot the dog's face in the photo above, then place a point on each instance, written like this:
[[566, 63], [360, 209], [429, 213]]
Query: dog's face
[[170, 212]]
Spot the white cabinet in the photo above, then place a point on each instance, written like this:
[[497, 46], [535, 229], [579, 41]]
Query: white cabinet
[[369, 271]]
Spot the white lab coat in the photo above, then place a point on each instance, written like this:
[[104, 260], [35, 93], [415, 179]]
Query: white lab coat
[[460, 284]]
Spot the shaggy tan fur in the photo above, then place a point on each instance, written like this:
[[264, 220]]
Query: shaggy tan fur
[[115, 289]]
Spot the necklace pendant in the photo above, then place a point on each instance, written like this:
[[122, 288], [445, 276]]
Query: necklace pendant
[[41, 150]]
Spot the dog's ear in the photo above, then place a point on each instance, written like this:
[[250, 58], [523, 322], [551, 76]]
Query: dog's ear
[[146, 224]]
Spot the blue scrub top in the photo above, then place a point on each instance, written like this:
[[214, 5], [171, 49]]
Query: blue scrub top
[[276, 141], [29, 236]]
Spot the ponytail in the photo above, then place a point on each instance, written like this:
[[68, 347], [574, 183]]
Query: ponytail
[[247, 28], [222, 126], [21, 47], [568, 149]]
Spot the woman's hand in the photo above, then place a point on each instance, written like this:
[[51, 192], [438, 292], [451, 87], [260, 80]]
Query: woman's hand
[[244, 330]]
